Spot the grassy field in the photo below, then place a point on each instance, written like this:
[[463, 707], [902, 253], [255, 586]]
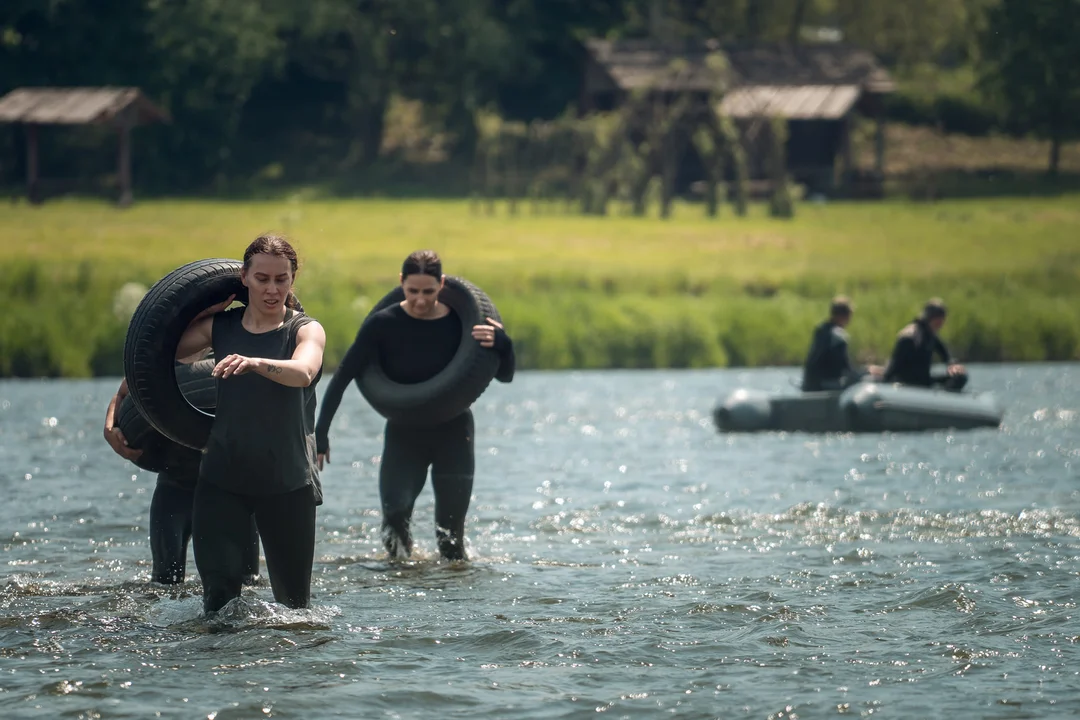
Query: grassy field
[[575, 291]]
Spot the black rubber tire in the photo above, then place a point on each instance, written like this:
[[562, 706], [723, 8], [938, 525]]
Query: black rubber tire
[[154, 333], [159, 453], [458, 385]]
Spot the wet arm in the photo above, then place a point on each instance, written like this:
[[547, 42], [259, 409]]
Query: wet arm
[[114, 404], [195, 339], [113, 434], [301, 369]]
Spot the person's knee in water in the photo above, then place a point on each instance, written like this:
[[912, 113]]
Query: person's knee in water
[[259, 462], [414, 341], [916, 345], [827, 365]]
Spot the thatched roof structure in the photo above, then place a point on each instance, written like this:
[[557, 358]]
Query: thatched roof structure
[[77, 106], [803, 81], [121, 107]]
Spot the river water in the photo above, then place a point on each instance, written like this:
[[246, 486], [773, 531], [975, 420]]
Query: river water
[[627, 560]]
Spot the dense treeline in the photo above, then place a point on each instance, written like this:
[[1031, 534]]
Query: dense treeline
[[289, 92]]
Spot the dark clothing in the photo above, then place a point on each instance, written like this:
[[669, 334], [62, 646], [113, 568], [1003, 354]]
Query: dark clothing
[[913, 354], [286, 522], [827, 365], [409, 350], [171, 510], [395, 336], [408, 451], [259, 463], [170, 530], [953, 383], [262, 441], [182, 467]]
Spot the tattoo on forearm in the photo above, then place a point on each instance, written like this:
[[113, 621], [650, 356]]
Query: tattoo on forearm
[[273, 368]]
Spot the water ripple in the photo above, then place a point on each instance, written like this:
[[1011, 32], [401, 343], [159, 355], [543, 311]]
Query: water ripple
[[626, 561]]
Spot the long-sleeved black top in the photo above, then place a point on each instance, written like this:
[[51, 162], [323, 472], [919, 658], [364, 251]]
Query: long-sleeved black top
[[827, 365], [913, 354], [410, 350]]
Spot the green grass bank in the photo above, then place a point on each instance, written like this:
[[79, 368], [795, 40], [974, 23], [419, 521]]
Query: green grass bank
[[576, 292]]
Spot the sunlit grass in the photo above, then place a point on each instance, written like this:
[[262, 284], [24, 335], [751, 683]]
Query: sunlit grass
[[578, 291]]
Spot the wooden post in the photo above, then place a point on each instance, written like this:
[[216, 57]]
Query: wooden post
[[32, 188], [879, 145], [513, 170], [123, 171], [846, 165], [475, 175]]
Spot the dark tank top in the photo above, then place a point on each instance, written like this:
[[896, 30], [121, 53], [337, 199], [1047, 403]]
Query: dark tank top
[[262, 441]]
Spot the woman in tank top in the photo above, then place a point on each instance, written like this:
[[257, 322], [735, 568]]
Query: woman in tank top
[[414, 341], [260, 458]]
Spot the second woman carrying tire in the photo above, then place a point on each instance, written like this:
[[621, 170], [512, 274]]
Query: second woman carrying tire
[[412, 342]]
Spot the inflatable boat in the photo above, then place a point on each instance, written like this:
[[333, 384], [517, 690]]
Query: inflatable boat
[[864, 407]]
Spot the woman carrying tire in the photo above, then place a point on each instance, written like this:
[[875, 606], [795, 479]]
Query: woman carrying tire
[[413, 341], [259, 460]]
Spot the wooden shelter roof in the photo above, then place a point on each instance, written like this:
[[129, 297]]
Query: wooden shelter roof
[[822, 64], [644, 64], [76, 105], [802, 81], [796, 102]]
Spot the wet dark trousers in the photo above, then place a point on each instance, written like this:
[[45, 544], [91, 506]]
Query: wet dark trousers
[[448, 449], [286, 525], [171, 510]]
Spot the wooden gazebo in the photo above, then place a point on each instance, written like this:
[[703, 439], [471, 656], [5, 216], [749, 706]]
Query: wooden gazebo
[[817, 89], [121, 107]]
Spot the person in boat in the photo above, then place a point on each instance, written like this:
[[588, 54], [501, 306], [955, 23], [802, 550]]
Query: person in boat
[[916, 345], [828, 366]]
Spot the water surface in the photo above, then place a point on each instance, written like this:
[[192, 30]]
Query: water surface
[[626, 560]]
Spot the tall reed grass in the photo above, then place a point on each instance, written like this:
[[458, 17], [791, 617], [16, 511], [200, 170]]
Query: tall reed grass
[[574, 292]]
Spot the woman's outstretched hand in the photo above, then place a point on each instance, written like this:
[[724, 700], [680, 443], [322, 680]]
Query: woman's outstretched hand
[[235, 365]]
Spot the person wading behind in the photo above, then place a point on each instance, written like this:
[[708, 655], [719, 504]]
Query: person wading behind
[[171, 507], [413, 341]]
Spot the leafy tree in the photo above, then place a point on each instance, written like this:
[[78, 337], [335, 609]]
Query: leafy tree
[[1031, 62], [909, 32], [210, 55]]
